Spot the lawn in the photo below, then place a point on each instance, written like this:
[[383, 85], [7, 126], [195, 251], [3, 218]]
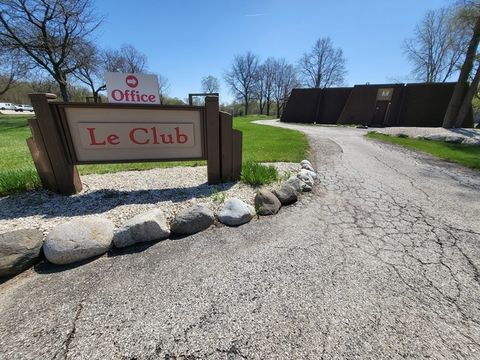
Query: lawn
[[260, 143], [465, 155], [263, 143]]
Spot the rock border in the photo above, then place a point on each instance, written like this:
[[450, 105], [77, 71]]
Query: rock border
[[151, 226]]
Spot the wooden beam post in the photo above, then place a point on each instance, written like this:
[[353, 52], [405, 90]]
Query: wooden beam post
[[212, 119], [40, 158], [60, 173], [226, 143]]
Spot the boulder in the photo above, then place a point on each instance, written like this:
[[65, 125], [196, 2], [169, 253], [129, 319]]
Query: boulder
[[298, 184], [435, 137], [454, 139], [266, 203], [148, 226], [307, 167], [235, 212], [312, 174], [286, 194], [305, 177], [471, 141], [192, 220], [306, 162], [78, 240], [19, 250]]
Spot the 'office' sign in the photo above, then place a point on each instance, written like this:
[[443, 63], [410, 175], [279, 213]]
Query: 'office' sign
[[132, 88]]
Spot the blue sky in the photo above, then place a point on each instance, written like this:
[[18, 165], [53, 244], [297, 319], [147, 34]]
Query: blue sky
[[187, 40]]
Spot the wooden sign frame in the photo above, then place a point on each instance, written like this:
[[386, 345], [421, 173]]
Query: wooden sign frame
[[54, 154]]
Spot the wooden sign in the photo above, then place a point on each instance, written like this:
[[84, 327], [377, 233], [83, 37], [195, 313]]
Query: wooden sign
[[67, 134], [111, 134], [132, 88]]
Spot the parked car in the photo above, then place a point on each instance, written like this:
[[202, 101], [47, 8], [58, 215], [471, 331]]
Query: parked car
[[23, 108], [7, 106]]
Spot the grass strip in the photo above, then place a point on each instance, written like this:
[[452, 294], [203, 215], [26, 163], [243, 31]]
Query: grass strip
[[465, 155]]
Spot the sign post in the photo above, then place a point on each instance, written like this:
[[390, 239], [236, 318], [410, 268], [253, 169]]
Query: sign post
[[67, 134]]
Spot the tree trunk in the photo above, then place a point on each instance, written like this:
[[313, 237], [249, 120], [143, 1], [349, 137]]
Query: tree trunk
[[458, 93], [278, 109], [246, 106], [268, 107], [63, 91], [467, 101]]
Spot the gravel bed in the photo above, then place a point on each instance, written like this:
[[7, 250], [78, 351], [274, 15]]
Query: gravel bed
[[122, 195], [425, 131]]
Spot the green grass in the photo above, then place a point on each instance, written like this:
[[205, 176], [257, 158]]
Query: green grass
[[17, 172], [263, 143], [256, 174], [465, 155], [260, 143]]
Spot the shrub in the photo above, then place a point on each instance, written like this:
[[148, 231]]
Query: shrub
[[12, 181], [256, 174]]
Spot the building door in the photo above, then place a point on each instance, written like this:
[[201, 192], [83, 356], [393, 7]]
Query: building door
[[380, 113]]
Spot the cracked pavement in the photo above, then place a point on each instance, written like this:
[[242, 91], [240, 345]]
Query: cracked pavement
[[380, 262]]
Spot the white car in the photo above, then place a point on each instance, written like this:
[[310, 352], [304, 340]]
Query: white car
[[7, 106], [23, 108]]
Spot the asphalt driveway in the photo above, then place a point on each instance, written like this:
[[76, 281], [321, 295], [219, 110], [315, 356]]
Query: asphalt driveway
[[380, 262]]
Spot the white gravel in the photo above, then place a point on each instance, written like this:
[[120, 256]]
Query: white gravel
[[425, 131], [122, 195]]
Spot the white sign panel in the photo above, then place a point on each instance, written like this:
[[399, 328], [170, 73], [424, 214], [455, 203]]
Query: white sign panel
[[134, 134], [132, 88]]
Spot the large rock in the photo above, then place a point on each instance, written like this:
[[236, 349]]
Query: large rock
[[266, 203], [305, 163], [298, 185], [19, 250], [471, 141], [305, 177], [235, 212], [312, 174], [454, 139], [307, 167], [192, 220], [286, 194], [145, 227], [78, 240], [435, 137]]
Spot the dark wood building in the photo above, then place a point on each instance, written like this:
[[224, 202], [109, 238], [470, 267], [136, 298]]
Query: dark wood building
[[422, 105]]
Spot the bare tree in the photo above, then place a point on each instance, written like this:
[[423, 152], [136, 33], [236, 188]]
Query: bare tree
[[438, 47], [268, 68], [49, 32], [127, 59], [323, 66], [259, 88], [210, 84], [463, 93], [284, 81], [91, 70], [241, 77], [44, 85], [163, 86], [94, 62], [264, 81], [12, 69]]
